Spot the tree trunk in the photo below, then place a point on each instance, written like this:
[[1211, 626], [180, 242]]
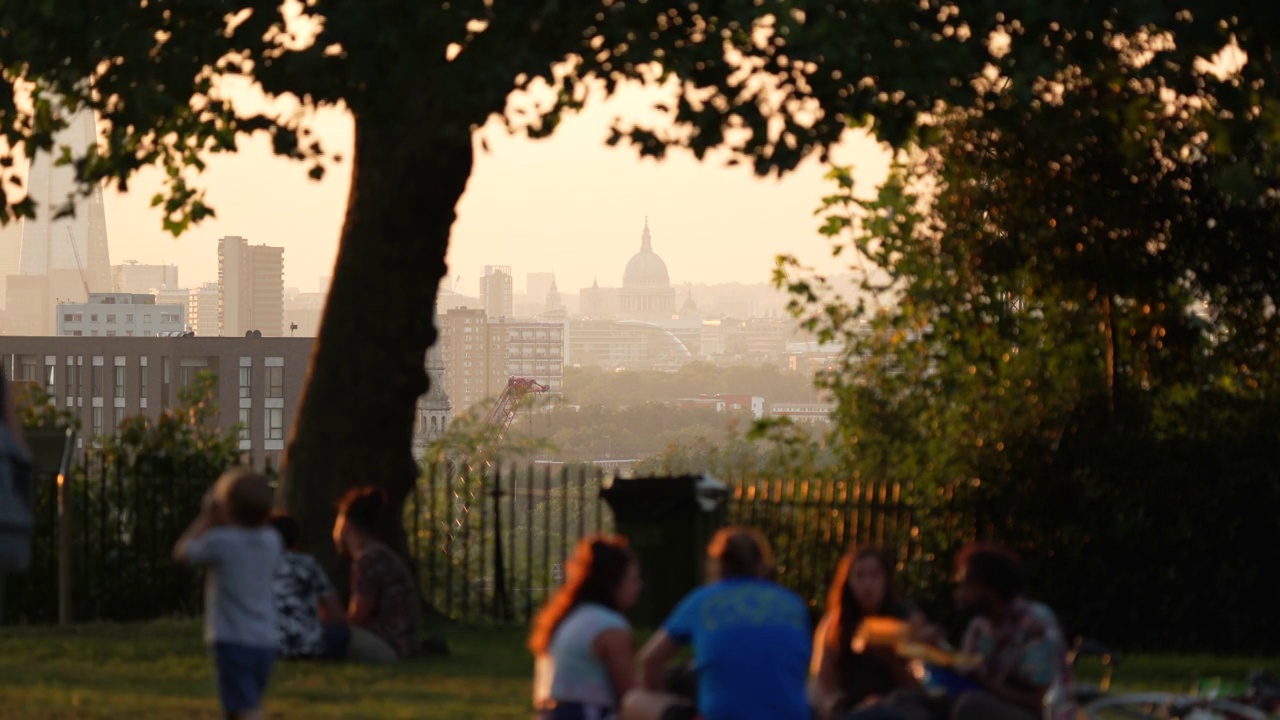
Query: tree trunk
[[356, 417]]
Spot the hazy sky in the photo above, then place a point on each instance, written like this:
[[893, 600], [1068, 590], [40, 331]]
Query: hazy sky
[[568, 204]]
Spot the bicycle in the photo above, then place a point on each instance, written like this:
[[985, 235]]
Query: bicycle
[[1261, 701]]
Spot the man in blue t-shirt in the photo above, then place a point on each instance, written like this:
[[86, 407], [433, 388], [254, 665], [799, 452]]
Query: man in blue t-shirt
[[750, 638]]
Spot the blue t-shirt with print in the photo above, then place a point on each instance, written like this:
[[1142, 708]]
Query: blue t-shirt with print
[[751, 642]]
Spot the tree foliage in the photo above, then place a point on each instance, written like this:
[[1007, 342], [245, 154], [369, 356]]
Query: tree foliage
[[769, 81], [1077, 334]]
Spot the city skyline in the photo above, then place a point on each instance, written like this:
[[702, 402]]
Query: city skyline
[[568, 204]]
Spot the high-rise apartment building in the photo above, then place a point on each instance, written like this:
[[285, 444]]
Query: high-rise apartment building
[[202, 310], [251, 281], [497, 294], [481, 354], [138, 278], [474, 355]]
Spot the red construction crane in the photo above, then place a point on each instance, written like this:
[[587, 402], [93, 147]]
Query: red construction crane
[[498, 421]]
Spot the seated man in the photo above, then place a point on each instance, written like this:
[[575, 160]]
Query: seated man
[[1023, 651], [308, 614], [750, 639]]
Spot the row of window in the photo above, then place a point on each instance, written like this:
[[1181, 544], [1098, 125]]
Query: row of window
[[128, 319], [275, 382], [74, 375], [272, 421]]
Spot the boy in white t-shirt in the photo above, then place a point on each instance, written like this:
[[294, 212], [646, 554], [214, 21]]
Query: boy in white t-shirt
[[232, 539]]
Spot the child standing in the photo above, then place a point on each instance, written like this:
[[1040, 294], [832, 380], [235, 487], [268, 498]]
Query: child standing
[[232, 538]]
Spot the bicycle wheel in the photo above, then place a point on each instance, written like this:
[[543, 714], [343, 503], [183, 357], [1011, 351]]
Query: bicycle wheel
[[1169, 706]]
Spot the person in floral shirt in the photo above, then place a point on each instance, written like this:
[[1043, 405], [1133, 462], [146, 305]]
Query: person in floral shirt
[[1024, 673]]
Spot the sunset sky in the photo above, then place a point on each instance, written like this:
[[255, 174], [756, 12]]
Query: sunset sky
[[568, 204]]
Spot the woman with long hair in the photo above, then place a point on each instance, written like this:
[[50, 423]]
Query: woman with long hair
[[580, 640], [847, 682]]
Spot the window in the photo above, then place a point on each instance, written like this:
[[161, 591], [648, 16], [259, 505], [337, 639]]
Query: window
[[275, 382], [95, 384], [128, 333], [120, 381], [29, 372], [49, 386], [244, 423], [119, 419], [187, 375], [111, 318], [111, 333], [97, 421], [93, 318], [66, 317], [94, 333], [146, 320], [129, 318], [246, 375], [275, 423], [142, 380]]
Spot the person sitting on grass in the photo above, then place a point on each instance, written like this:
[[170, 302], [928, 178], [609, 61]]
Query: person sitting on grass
[[383, 611], [848, 683], [580, 640], [231, 538], [1023, 649], [750, 640], [308, 614]]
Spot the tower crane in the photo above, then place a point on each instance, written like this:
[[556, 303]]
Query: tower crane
[[75, 252], [498, 421]]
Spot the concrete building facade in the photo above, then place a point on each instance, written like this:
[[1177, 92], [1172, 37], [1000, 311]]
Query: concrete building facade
[[105, 380], [497, 291], [251, 282], [202, 310], [120, 314], [135, 277]]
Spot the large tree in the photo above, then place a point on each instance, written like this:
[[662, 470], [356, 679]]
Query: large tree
[[769, 81]]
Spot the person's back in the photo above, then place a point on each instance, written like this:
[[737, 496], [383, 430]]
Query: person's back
[[750, 642], [579, 673], [239, 603], [231, 539], [381, 579]]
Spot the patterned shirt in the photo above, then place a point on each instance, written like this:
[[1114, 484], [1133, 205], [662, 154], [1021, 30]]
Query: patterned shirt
[[299, 583], [382, 581], [1027, 651]]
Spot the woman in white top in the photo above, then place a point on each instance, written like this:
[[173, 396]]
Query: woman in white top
[[580, 640]]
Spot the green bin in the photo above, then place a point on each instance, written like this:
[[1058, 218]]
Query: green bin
[[668, 522]]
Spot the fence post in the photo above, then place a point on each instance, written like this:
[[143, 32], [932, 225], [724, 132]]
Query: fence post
[[64, 550], [64, 533], [501, 603]]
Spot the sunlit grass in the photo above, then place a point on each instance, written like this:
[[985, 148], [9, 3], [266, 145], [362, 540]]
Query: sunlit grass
[[162, 670]]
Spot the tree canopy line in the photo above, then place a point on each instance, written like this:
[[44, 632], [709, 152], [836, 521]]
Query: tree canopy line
[[1079, 233]]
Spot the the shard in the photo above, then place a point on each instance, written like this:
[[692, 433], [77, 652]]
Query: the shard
[[63, 255]]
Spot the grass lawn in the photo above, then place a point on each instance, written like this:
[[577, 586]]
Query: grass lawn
[[161, 670]]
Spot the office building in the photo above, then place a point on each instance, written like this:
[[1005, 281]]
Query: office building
[[120, 314], [251, 288]]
